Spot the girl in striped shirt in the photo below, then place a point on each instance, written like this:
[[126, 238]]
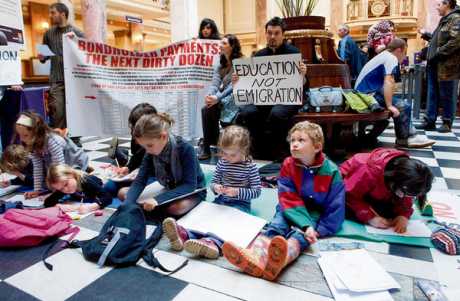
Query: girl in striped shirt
[[46, 147], [236, 182]]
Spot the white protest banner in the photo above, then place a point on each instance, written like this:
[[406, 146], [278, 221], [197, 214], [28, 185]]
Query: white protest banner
[[268, 80], [11, 22], [10, 66], [104, 83]]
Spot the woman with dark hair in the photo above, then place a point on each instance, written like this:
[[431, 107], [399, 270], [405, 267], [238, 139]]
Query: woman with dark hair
[[208, 30], [220, 105]]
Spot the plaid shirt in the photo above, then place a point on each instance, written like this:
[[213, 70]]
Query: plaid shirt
[[53, 38]]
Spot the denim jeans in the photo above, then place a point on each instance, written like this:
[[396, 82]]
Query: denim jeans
[[280, 226], [440, 93], [403, 123]]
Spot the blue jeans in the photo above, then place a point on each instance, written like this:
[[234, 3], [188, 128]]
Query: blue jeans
[[403, 123], [113, 187], [280, 226], [244, 206], [440, 92]]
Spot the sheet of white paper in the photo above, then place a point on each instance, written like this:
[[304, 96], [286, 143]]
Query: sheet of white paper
[[35, 202], [342, 295], [358, 271], [77, 216], [415, 228], [7, 177], [227, 223], [8, 190], [44, 50]]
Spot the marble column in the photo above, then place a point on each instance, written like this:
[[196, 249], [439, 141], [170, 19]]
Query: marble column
[[261, 19], [337, 15], [432, 16], [184, 19], [94, 17], [69, 4]]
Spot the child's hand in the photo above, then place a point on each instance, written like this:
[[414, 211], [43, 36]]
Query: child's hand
[[4, 184], [86, 208], [122, 171], [150, 204], [68, 207], [311, 235], [380, 222], [231, 191], [219, 189], [31, 194], [400, 224]]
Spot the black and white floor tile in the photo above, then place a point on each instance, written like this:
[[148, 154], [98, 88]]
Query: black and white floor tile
[[24, 277]]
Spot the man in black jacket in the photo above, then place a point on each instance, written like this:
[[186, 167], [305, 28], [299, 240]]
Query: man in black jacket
[[269, 125]]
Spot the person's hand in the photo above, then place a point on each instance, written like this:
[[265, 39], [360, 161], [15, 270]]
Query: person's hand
[[394, 111], [400, 224], [4, 184], [122, 171], [235, 78], [303, 68], [69, 207], [70, 35], [87, 208], [219, 189], [16, 88], [421, 31], [211, 100], [41, 57], [150, 204], [231, 191], [380, 222], [31, 194], [311, 235]]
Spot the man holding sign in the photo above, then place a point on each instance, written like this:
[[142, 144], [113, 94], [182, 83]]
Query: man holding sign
[[269, 90]]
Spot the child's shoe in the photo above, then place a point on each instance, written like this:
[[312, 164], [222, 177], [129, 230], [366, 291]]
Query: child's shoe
[[281, 252], [252, 260], [202, 247], [176, 234]]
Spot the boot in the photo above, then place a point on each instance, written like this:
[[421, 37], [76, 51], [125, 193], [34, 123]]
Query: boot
[[251, 260], [281, 252], [176, 234], [202, 247], [426, 125]]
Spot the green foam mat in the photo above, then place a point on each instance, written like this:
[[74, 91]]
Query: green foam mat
[[265, 206]]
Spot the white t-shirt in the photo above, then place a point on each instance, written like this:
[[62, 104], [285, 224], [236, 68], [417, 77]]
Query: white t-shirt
[[372, 76]]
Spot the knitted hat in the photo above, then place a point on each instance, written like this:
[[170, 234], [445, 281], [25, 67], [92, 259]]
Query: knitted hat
[[447, 240]]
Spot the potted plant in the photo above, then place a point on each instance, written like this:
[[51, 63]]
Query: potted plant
[[297, 14]]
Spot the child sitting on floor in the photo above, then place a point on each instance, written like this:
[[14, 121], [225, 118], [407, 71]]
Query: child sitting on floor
[[15, 160], [236, 182], [308, 180], [119, 189], [80, 186], [46, 147], [382, 185]]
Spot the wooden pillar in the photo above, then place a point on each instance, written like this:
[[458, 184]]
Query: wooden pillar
[[123, 39], [94, 17], [39, 23], [261, 20], [136, 35]]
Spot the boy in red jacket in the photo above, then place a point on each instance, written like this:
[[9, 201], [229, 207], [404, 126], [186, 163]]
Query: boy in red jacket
[[382, 185], [308, 181]]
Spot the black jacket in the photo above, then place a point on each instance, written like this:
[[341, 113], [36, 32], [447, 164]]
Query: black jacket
[[92, 190]]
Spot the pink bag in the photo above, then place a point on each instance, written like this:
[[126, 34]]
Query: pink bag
[[26, 228]]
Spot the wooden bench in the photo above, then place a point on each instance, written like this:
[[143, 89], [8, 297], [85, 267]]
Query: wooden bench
[[338, 127]]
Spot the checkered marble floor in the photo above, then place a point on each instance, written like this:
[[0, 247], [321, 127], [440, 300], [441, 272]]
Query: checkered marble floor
[[24, 277]]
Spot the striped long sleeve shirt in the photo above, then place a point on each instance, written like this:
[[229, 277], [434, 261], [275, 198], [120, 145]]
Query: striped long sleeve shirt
[[53, 153], [244, 176], [53, 38]]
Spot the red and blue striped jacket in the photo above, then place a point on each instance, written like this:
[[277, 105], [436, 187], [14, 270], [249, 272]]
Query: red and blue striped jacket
[[302, 188]]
